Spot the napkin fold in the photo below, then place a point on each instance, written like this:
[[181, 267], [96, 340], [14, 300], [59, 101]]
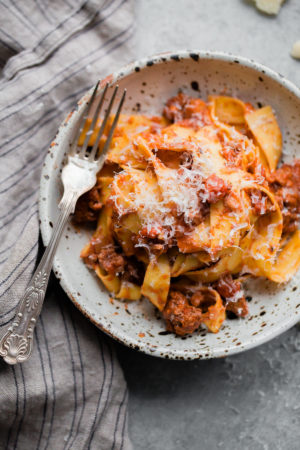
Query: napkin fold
[[71, 394]]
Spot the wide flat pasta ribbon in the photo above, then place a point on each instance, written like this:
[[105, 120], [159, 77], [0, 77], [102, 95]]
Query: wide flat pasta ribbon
[[265, 129], [215, 314], [129, 291], [262, 242], [110, 281], [287, 262], [125, 229], [198, 239], [185, 263], [157, 281], [207, 157], [229, 262], [225, 226], [227, 109]]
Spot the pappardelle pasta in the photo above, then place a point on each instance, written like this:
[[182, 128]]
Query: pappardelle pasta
[[191, 203]]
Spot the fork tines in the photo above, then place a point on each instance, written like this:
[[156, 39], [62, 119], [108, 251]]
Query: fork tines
[[82, 151]]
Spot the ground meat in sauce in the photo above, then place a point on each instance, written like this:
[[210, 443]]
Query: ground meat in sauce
[[232, 201], [88, 206], [239, 307], [106, 255], [184, 109], [231, 291], [233, 155], [185, 313], [285, 182], [186, 222], [150, 239], [152, 233], [181, 318], [111, 261], [199, 300], [214, 189], [260, 202], [95, 246], [134, 271]]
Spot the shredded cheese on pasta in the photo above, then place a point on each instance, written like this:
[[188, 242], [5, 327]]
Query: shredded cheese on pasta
[[187, 209]]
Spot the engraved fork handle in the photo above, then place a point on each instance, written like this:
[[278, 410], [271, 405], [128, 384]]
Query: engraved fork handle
[[16, 343]]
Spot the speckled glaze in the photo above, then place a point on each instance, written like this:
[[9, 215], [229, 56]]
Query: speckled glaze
[[150, 82]]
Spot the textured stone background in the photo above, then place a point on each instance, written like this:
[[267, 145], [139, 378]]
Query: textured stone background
[[248, 401]]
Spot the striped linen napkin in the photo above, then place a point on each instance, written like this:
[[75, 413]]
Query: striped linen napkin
[[71, 394]]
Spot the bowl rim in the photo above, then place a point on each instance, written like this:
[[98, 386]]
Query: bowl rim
[[72, 116]]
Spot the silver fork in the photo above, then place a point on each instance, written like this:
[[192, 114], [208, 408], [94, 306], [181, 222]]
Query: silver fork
[[78, 177]]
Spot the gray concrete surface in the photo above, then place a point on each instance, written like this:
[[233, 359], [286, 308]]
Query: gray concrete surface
[[248, 401]]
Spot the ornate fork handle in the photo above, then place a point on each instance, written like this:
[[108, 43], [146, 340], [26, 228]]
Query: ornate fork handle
[[16, 344]]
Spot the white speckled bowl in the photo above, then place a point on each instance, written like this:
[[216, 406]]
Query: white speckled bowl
[[150, 82]]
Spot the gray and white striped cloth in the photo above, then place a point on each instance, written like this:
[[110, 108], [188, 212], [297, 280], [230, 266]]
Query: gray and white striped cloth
[[71, 394]]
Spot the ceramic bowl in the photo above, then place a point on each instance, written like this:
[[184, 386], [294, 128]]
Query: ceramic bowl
[[150, 82]]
